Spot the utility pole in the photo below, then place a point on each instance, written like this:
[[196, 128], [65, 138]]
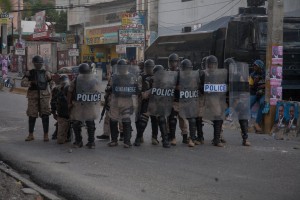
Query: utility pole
[[20, 39], [274, 39]]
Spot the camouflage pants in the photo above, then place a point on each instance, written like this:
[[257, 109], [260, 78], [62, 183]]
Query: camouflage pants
[[183, 123], [63, 128], [33, 107]]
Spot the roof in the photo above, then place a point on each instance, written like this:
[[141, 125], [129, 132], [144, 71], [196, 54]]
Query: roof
[[215, 25]]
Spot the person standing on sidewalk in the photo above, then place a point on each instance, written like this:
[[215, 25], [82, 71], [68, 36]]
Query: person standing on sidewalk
[[38, 96], [257, 91]]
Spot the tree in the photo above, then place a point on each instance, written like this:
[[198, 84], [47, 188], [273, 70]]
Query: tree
[[5, 5]]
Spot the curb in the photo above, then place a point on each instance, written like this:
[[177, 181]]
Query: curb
[[6, 169], [19, 90]]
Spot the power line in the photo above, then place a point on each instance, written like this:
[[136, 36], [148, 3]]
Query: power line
[[189, 22]]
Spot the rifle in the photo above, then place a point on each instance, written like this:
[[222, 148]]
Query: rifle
[[104, 108]]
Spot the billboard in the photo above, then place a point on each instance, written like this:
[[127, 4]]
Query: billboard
[[131, 36]]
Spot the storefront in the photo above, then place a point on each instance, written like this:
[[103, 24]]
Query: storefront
[[100, 43]]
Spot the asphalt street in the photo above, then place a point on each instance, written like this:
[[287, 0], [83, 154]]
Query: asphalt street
[[269, 169]]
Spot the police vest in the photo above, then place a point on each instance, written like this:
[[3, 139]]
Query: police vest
[[39, 77], [124, 85]]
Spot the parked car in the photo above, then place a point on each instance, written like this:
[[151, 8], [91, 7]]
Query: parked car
[[71, 72]]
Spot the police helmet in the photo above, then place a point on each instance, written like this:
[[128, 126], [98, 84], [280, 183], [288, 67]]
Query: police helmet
[[141, 64], [211, 59], [149, 63], [37, 59], [186, 64], [84, 68], [122, 62], [114, 61], [173, 57], [228, 62], [158, 68]]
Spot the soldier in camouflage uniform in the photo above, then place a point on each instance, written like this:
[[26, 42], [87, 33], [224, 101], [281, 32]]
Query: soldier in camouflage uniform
[[189, 84], [38, 96], [145, 82], [172, 121], [123, 103]]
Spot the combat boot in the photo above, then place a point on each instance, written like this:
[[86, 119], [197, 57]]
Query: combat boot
[[77, 132], [30, 137], [217, 132], [31, 124], [114, 133], [185, 139], [45, 122], [192, 127], [199, 126], [54, 135], [91, 134], [154, 126], [46, 137], [163, 129], [191, 143], [172, 128], [127, 134], [141, 126], [244, 131]]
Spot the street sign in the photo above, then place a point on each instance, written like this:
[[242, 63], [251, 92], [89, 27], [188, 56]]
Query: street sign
[[131, 36], [73, 52], [20, 51]]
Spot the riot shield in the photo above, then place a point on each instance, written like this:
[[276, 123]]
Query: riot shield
[[162, 93], [239, 95], [189, 94], [215, 89], [87, 102], [124, 96]]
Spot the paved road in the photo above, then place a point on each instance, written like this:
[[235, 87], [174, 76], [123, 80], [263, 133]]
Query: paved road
[[269, 169]]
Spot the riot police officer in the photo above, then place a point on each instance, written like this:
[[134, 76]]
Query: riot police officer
[[189, 83], [123, 103], [38, 96], [174, 62], [215, 88], [145, 81], [84, 103], [159, 104], [239, 95]]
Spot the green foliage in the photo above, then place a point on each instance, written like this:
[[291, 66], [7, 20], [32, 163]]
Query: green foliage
[[5, 5]]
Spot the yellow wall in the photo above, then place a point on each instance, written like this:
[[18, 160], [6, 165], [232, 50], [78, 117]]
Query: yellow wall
[[86, 53]]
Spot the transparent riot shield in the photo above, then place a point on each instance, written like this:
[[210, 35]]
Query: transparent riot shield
[[215, 88], [189, 94], [87, 102], [124, 95], [239, 95], [162, 93]]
